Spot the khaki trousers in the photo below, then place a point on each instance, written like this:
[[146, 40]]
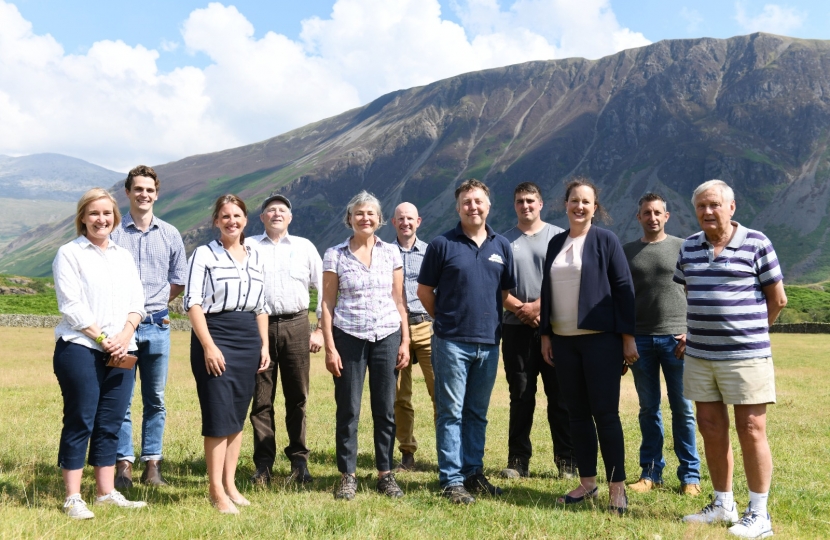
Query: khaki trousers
[[420, 347]]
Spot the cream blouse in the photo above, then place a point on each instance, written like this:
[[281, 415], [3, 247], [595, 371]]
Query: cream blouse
[[565, 279]]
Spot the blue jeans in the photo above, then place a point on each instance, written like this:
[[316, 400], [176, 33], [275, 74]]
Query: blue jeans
[[658, 352], [153, 341], [464, 378]]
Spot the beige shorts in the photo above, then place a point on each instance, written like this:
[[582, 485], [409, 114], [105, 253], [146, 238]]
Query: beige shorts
[[733, 382]]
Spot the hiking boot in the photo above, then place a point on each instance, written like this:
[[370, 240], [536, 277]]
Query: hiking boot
[[714, 512], [152, 473], [752, 525], [388, 486], [76, 508], [691, 490], [116, 499], [123, 474], [407, 462], [458, 495], [515, 469], [478, 483], [262, 476], [644, 485], [299, 473], [347, 487]]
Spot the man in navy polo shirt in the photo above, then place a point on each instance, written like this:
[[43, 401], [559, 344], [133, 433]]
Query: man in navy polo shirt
[[465, 278]]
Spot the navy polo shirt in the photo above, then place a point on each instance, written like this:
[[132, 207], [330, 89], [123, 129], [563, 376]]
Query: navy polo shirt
[[468, 282]]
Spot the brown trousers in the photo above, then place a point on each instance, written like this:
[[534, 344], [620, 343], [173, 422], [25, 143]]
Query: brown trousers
[[420, 347]]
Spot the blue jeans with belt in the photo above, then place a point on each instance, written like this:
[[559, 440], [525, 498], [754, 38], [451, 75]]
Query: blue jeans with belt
[[657, 352], [153, 339]]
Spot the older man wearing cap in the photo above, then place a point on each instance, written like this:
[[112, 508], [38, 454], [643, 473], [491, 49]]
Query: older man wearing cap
[[291, 265]]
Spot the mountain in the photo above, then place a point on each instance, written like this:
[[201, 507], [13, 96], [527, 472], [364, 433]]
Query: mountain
[[751, 110], [51, 177]]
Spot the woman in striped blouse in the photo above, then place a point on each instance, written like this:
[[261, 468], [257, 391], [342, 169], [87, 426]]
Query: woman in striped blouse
[[225, 302]]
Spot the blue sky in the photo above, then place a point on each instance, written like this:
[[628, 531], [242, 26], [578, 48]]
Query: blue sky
[[119, 82]]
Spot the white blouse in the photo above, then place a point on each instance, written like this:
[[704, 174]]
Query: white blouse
[[95, 286], [565, 280], [218, 282]]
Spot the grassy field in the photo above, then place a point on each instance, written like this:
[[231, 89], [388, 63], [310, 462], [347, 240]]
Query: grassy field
[[31, 491]]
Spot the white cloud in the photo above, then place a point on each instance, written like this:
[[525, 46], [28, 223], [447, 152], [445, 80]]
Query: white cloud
[[112, 105], [693, 19], [773, 18]]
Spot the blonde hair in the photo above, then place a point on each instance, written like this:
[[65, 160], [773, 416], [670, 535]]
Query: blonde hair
[[91, 196]]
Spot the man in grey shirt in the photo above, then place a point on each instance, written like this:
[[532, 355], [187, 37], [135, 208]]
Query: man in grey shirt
[[661, 342], [521, 346]]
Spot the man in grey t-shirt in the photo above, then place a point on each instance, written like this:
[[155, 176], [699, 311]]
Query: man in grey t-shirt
[[661, 341], [521, 347]]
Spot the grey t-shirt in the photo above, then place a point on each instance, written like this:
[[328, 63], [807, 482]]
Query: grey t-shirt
[[661, 303], [528, 260]]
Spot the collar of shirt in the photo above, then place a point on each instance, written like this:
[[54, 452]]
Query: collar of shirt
[[419, 245], [128, 221], [84, 242], [345, 244], [265, 239], [738, 238], [459, 232]]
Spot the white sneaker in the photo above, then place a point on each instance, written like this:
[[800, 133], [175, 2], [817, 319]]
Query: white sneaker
[[714, 512], [114, 497], [752, 525], [76, 508]]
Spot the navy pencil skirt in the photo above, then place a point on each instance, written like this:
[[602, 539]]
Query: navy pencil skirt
[[225, 399]]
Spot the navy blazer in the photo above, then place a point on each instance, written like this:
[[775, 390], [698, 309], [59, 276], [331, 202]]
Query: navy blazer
[[606, 291]]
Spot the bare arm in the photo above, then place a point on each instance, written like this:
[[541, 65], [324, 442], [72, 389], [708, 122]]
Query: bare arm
[[397, 297], [776, 300], [512, 304], [264, 355], [175, 290], [426, 295], [331, 283]]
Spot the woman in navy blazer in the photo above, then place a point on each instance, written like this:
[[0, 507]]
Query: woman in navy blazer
[[587, 324]]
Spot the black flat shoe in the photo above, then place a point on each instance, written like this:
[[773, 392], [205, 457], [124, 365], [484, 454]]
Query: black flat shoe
[[567, 499], [619, 510]]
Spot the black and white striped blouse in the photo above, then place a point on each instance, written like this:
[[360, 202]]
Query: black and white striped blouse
[[217, 282]]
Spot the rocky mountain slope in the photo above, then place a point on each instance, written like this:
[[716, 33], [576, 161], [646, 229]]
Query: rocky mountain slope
[[751, 110]]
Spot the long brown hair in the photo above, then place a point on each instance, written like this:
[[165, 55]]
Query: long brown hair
[[230, 198], [579, 181]]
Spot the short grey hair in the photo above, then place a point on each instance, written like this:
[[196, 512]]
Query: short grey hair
[[364, 197], [725, 190]]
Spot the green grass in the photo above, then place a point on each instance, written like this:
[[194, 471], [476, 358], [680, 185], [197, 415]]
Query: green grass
[[807, 304], [43, 303], [31, 490]]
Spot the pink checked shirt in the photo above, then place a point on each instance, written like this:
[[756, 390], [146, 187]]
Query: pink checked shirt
[[365, 308]]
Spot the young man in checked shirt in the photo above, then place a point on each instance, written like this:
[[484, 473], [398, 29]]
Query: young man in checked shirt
[[159, 254]]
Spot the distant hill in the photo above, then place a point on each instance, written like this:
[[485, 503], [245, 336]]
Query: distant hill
[[751, 110], [51, 177]]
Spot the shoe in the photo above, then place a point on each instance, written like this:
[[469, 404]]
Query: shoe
[[752, 525], [152, 473], [515, 469], [407, 462], [116, 499], [388, 486], [567, 499], [567, 469], [262, 476], [714, 512], [478, 483], [619, 510], [240, 501], [299, 473], [458, 495], [123, 474], [644, 485], [347, 487], [230, 510], [692, 490], [76, 508]]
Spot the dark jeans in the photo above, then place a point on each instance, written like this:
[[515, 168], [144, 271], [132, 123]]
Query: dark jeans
[[95, 398], [288, 345], [589, 368], [379, 358], [523, 363]]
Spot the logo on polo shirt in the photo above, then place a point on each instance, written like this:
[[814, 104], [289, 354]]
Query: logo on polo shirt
[[496, 258]]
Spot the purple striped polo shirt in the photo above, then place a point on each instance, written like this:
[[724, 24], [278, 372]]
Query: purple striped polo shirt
[[726, 309]]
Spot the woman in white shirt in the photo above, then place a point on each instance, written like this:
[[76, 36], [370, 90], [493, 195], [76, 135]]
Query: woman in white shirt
[[101, 299], [225, 301]]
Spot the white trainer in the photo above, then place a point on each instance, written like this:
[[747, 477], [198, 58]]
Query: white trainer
[[76, 508], [115, 498], [714, 512], [752, 525]]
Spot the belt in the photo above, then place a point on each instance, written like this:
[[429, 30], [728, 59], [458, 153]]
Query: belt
[[419, 318], [288, 316], [159, 317]]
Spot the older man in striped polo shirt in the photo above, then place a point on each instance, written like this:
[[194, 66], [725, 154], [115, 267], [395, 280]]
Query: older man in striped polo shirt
[[735, 291]]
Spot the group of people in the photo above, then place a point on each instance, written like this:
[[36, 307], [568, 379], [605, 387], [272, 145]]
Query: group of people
[[574, 306]]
